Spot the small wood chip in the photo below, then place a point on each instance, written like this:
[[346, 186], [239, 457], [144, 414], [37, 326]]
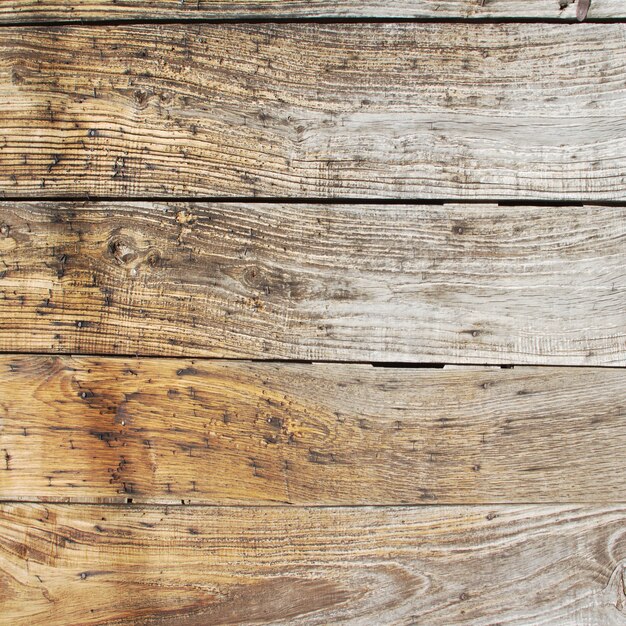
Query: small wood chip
[[582, 9]]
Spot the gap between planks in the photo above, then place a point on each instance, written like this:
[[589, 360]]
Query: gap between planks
[[312, 20], [417, 201], [271, 361]]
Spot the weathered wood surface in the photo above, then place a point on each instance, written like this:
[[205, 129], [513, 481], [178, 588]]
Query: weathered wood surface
[[16, 11], [92, 429], [383, 110], [453, 283], [65, 565]]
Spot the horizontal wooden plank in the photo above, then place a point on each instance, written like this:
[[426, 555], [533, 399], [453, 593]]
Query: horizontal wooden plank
[[453, 283], [68, 565], [92, 429], [383, 110], [19, 11]]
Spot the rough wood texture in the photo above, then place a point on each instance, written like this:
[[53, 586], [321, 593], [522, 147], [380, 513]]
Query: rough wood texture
[[16, 11], [452, 283], [66, 565], [163, 430], [315, 110]]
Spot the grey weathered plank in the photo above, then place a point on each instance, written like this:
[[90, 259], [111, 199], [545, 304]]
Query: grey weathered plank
[[161, 430], [383, 110], [453, 283], [63, 565], [16, 11]]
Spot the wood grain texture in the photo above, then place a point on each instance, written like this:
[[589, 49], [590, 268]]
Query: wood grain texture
[[92, 429], [386, 110], [16, 11], [441, 566], [452, 283]]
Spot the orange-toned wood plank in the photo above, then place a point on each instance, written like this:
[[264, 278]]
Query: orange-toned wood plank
[[166, 430]]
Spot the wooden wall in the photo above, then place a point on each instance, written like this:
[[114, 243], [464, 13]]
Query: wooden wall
[[312, 312]]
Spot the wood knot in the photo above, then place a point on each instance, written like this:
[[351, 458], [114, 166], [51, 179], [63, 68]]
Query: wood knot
[[141, 97], [153, 258], [185, 218], [615, 591], [16, 77], [252, 276], [257, 280], [460, 228], [122, 251]]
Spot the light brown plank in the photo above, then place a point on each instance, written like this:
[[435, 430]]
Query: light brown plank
[[441, 566], [91, 429], [16, 11], [315, 110], [452, 283]]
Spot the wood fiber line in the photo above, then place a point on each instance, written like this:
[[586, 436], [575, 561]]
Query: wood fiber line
[[16, 11], [441, 566], [92, 429], [387, 110], [453, 283]]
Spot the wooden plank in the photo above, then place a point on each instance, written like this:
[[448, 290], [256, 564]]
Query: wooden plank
[[93, 429], [20, 11], [453, 283], [65, 565], [383, 110]]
